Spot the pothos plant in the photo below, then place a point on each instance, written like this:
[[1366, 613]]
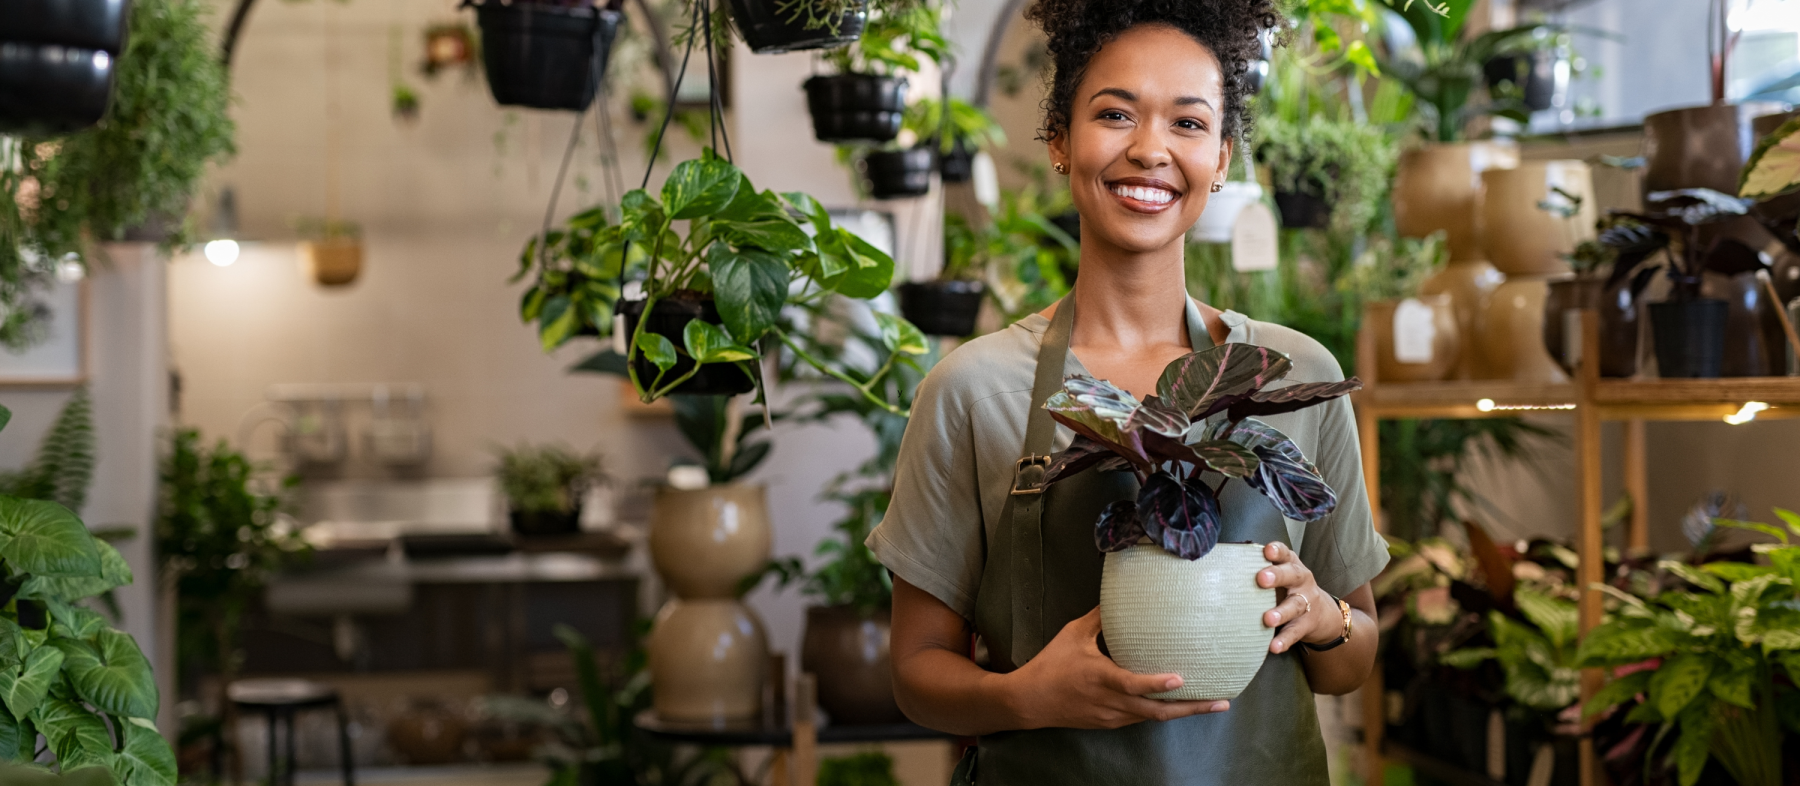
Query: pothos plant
[[1201, 420], [1715, 665], [66, 676]]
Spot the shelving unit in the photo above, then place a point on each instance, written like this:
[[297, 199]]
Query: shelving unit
[[1591, 401]]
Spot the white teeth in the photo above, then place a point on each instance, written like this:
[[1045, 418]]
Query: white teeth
[[1155, 196]]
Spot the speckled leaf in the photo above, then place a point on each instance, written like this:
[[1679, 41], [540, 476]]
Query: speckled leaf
[[700, 187], [1774, 167], [1678, 681], [1182, 517], [1157, 416], [1230, 458], [1264, 403], [1118, 528], [1283, 474], [1082, 453], [1197, 380]]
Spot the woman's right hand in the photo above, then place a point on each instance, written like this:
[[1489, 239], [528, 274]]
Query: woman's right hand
[[1071, 684]]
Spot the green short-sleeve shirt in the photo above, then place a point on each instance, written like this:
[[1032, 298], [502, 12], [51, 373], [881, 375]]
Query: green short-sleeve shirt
[[968, 430]]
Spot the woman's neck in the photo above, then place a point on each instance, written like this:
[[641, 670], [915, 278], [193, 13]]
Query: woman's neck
[[1131, 302]]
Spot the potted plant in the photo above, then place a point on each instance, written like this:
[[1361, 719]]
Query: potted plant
[[1167, 579], [1608, 278], [865, 100], [332, 251], [577, 280], [1317, 164], [544, 487], [545, 54], [1713, 662], [949, 304], [958, 135], [775, 26]]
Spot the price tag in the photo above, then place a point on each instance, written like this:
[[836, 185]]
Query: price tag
[[1253, 239], [1415, 330]]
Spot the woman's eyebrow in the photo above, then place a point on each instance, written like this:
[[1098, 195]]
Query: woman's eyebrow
[[1191, 100], [1113, 91]]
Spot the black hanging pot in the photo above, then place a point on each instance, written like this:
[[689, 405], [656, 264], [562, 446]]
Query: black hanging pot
[[1689, 337], [48, 89], [84, 24], [1534, 74], [1302, 210], [544, 56], [770, 29], [670, 319], [957, 165], [942, 308], [900, 174], [856, 107], [546, 522]]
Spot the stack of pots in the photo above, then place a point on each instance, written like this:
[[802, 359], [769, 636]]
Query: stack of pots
[[708, 652], [56, 63], [1527, 243]]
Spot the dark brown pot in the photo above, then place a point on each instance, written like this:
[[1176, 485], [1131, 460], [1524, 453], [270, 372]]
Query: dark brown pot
[[1704, 147], [429, 733], [1753, 341], [1618, 307], [848, 653]]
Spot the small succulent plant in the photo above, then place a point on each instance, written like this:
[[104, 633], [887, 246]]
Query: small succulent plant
[[1201, 420]]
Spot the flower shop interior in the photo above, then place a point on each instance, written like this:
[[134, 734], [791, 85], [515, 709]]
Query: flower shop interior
[[343, 447]]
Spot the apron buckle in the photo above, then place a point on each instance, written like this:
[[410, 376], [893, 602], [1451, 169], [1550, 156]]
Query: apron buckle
[[1028, 476]]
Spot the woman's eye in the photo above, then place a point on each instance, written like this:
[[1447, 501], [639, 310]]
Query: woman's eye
[[1112, 114], [1191, 124]]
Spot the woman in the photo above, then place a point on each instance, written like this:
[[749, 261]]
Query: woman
[[1146, 100]]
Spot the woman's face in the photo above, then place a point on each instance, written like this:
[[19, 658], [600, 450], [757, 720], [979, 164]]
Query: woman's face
[[1144, 146]]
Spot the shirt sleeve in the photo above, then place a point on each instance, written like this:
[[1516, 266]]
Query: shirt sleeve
[[1343, 550], [932, 535]]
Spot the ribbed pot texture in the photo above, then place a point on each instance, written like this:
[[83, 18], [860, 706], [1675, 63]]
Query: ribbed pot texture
[[1162, 614]]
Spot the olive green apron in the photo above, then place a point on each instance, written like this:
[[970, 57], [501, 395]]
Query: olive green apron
[[1043, 571]]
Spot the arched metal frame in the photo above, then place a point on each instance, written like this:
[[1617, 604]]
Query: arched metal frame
[[990, 54]]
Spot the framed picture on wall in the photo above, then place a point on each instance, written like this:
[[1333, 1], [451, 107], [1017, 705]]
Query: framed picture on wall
[[61, 358]]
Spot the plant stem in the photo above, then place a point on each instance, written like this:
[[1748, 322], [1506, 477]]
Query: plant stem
[[840, 376]]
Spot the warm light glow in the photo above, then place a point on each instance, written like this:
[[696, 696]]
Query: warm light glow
[[1488, 405], [1485, 405], [1747, 413], [222, 252]]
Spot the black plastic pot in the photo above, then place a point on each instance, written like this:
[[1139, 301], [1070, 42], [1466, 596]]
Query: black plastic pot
[[545, 56], [546, 522], [669, 319], [48, 89], [900, 174], [856, 107], [942, 308], [1689, 337], [1534, 72], [958, 165], [86, 24], [1301, 210], [769, 30]]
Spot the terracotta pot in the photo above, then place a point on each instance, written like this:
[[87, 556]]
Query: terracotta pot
[[1619, 323], [848, 653], [333, 263], [707, 661], [705, 541], [1415, 352], [1438, 187], [1201, 619], [1523, 239], [1513, 339], [1705, 147], [1470, 284], [428, 733], [1754, 344]]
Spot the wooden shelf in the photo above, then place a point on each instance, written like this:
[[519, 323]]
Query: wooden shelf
[[1461, 399], [1615, 399]]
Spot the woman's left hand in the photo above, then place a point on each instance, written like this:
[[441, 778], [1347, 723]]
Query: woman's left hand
[[1306, 611]]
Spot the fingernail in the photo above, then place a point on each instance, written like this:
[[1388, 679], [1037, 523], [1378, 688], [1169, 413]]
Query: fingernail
[[1276, 647], [1277, 616], [1172, 683], [1267, 575], [1220, 706]]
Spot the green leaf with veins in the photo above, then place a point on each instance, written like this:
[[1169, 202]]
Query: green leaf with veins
[[78, 737], [777, 235], [45, 539], [74, 622], [14, 644], [1678, 681], [751, 205], [113, 676], [22, 688], [1558, 620], [147, 756], [708, 343], [1774, 166], [657, 349], [701, 187], [750, 287], [1617, 692], [900, 336], [873, 271], [641, 218]]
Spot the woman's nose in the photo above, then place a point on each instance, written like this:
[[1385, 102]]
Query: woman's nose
[[1148, 148]]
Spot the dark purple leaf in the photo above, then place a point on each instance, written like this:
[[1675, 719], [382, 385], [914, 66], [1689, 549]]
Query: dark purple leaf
[[1230, 458], [1160, 448], [1156, 416], [1183, 517], [1284, 475], [1118, 528], [1114, 463], [1698, 205], [1082, 453], [1264, 403], [1195, 381], [1098, 411]]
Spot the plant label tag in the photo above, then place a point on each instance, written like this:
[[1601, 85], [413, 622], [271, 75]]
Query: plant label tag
[[1415, 330], [1571, 348], [1253, 239], [619, 339]]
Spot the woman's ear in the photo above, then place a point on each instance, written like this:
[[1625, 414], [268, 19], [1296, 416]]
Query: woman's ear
[[1059, 152], [1225, 147]]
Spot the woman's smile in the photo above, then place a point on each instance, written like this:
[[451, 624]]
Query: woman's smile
[[1144, 194]]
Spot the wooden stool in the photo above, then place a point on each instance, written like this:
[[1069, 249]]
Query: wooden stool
[[279, 700]]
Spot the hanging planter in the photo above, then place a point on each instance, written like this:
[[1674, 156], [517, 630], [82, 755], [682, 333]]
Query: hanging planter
[[770, 29], [856, 107], [545, 56], [50, 89], [1532, 77], [957, 165], [944, 307], [1302, 210], [899, 174], [84, 24], [669, 318]]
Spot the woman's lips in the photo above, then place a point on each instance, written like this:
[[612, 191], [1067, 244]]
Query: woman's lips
[[1143, 198]]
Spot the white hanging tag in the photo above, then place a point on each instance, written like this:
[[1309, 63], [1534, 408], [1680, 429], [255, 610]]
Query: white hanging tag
[[1253, 240], [1415, 330]]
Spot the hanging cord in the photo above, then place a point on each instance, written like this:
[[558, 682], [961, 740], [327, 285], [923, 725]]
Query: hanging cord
[[656, 149], [715, 101], [609, 151], [596, 72]]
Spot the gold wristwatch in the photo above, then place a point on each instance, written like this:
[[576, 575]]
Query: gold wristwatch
[[1343, 606]]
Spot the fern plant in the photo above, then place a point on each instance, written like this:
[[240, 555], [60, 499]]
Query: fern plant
[[63, 468]]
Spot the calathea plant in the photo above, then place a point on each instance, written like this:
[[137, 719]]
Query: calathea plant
[[1201, 420]]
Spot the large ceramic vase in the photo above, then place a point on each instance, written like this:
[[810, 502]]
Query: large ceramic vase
[[1437, 188], [1513, 341], [1416, 339], [1618, 309], [1201, 619], [1704, 147], [847, 652], [708, 652], [1522, 238], [1754, 343]]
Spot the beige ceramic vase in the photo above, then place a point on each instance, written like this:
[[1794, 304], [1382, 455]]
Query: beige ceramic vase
[[1201, 619], [1438, 188], [1522, 237], [1513, 341], [1470, 284], [708, 652], [1423, 344]]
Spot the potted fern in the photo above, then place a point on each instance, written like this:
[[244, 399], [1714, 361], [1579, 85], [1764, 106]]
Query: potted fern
[[544, 487], [1167, 581]]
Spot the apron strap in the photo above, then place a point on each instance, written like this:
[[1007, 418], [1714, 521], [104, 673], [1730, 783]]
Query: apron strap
[[1028, 489]]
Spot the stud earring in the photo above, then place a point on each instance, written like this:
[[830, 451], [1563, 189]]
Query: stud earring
[[1217, 187], [1060, 168]]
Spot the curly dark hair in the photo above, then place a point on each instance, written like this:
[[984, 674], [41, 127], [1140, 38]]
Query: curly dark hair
[[1077, 29]]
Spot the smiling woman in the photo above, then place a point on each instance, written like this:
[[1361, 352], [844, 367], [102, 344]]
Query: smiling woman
[[1146, 103]]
